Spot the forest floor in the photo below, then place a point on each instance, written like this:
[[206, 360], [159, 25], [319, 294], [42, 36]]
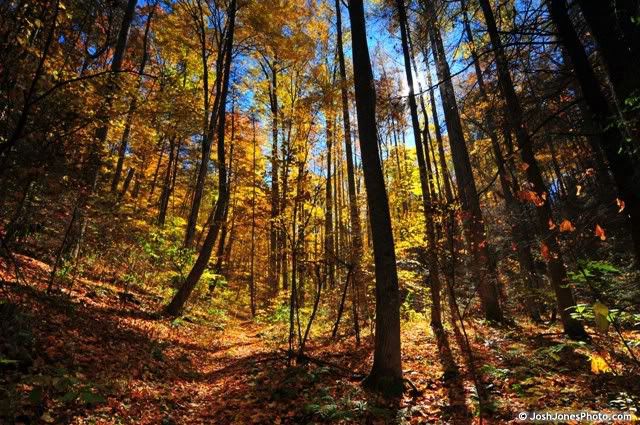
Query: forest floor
[[101, 354]]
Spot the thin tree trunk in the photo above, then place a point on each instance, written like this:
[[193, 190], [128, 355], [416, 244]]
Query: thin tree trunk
[[428, 211], [124, 141], [177, 303], [518, 230], [483, 269], [252, 281], [209, 124], [329, 248]]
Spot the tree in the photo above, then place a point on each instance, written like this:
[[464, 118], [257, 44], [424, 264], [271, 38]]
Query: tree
[[472, 220], [386, 372], [555, 264], [613, 143], [434, 273], [177, 303]]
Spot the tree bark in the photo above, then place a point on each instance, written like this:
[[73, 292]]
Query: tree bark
[[354, 213], [208, 128], [519, 232], [483, 269], [177, 303], [133, 105], [428, 211], [555, 266], [623, 165], [386, 373]]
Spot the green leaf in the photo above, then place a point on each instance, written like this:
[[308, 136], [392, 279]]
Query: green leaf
[[601, 314], [70, 396], [36, 395], [91, 398]]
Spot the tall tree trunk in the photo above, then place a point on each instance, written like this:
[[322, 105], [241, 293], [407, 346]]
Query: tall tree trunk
[[386, 373], [329, 242], [126, 133], [555, 266], [273, 274], [354, 213], [428, 211], [166, 187], [252, 277], [94, 164], [436, 125], [162, 144], [624, 167], [483, 269], [177, 303], [519, 232], [225, 220], [210, 120], [127, 182]]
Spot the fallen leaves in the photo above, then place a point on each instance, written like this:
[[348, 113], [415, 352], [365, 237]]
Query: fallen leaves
[[599, 364]]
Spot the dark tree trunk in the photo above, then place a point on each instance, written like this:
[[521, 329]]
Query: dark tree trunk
[[177, 303], [166, 187], [438, 132], [623, 166], [428, 211], [208, 128], [483, 268], [252, 277], [127, 182], [124, 141], [94, 164], [518, 231], [555, 266], [273, 274], [329, 241], [386, 373]]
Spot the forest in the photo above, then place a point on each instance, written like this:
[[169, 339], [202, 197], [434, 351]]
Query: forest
[[319, 211]]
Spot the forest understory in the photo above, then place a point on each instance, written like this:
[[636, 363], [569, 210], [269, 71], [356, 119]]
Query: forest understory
[[101, 353], [319, 211]]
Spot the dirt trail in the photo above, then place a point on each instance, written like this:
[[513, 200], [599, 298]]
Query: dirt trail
[[148, 370]]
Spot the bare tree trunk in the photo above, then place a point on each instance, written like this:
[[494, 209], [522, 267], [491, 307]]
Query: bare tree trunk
[[209, 122], [555, 266], [483, 269], [354, 213], [518, 230], [623, 165], [166, 187], [386, 373], [133, 105], [428, 211], [252, 281], [177, 303], [329, 242]]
